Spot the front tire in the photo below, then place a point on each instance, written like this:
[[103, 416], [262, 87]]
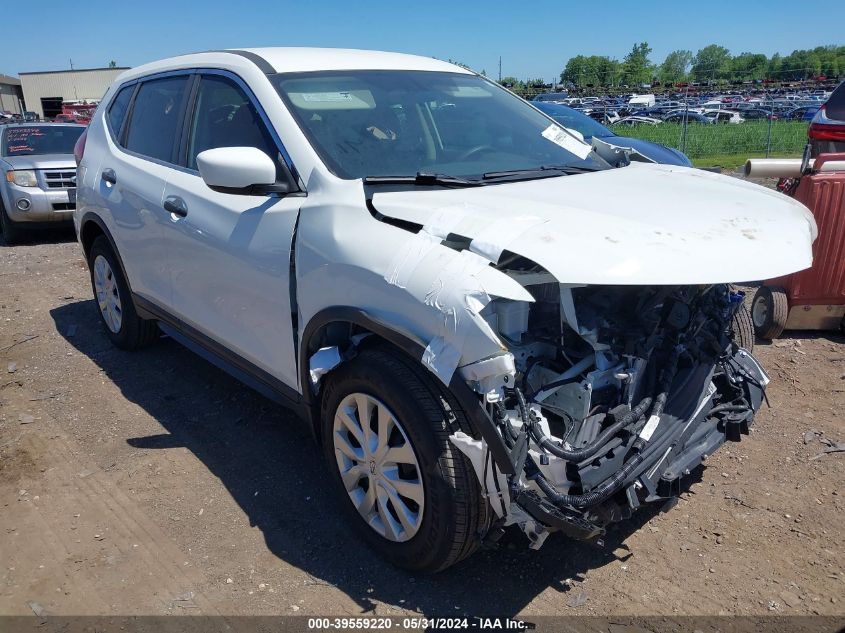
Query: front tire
[[114, 300], [12, 233], [413, 497]]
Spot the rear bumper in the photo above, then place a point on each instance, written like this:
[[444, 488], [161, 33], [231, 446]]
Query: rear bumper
[[826, 147]]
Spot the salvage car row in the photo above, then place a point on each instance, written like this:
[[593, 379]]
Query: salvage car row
[[652, 109], [488, 319]]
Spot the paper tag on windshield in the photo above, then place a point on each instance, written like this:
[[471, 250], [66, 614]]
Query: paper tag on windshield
[[568, 142]]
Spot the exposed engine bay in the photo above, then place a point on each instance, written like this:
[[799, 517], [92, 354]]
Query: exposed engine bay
[[618, 393]]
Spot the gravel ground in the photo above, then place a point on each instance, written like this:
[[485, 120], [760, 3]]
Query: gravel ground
[[151, 483]]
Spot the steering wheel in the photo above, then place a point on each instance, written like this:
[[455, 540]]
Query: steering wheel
[[472, 151]]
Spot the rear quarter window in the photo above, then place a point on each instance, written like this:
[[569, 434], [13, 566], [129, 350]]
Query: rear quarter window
[[118, 109], [835, 108]]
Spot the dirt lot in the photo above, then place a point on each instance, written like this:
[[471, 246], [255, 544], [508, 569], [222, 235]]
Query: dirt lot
[[152, 483]]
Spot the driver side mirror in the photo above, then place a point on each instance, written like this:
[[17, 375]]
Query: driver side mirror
[[239, 170]]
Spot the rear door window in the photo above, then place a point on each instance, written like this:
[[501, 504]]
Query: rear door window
[[156, 117]]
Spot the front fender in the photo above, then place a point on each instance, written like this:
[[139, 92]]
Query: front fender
[[412, 282]]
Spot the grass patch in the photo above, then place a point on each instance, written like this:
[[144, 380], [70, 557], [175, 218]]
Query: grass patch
[[735, 161], [725, 145]]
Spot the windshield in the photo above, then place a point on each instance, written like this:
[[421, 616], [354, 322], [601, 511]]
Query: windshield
[[402, 123], [40, 139], [574, 120]]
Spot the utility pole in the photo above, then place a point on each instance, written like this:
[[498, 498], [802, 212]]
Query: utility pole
[[71, 63], [500, 69]]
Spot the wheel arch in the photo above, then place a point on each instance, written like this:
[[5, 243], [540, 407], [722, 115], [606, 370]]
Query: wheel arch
[[337, 325], [91, 227]]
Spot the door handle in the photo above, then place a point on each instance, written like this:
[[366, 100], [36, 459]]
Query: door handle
[[109, 176], [176, 206]]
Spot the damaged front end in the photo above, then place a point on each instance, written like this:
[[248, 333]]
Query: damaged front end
[[608, 396]]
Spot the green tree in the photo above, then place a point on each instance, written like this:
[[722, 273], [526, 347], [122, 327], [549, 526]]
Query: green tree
[[832, 60], [534, 87], [112, 64], [711, 63], [674, 67], [636, 67], [595, 70], [775, 65], [514, 85], [748, 66], [608, 71], [578, 71]]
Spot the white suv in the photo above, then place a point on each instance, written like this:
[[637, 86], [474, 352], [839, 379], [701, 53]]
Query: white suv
[[487, 321]]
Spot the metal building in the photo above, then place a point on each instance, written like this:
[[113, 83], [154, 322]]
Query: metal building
[[44, 92], [10, 95]]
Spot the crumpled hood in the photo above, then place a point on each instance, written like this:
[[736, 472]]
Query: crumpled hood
[[42, 161], [642, 224]]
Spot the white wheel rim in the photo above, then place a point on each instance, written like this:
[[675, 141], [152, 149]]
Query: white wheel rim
[[759, 312], [108, 296], [378, 467]]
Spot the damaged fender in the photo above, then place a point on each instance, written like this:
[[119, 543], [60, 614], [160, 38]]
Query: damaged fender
[[413, 282]]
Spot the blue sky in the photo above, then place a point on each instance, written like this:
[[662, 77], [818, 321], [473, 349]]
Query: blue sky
[[534, 39]]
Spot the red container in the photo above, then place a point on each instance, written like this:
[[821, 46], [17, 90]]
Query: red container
[[811, 299]]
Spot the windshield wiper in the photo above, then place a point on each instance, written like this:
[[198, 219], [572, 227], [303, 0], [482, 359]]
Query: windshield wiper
[[544, 171], [423, 179]]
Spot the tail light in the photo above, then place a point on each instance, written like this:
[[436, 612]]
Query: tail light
[[819, 131], [826, 132], [79, 148]]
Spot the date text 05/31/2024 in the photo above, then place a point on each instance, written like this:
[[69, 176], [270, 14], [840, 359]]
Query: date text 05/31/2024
[[417, 623]]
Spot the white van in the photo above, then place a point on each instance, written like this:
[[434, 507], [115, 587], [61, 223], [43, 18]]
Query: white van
[[644, 101]]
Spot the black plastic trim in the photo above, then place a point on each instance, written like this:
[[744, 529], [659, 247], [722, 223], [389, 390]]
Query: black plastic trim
[[263, 65], [96, 219], [220, 356]]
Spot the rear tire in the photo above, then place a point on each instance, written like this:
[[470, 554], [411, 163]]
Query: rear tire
[[743, 328], [769, 311], [455, 515], [116, 309], [12, 233]]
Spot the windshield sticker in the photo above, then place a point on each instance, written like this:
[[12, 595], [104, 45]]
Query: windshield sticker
[[467, 91], [334, 100], [327, 96], [559, 137]]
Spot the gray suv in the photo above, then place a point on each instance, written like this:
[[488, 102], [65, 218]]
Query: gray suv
[[827, 129], [38, 185]]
